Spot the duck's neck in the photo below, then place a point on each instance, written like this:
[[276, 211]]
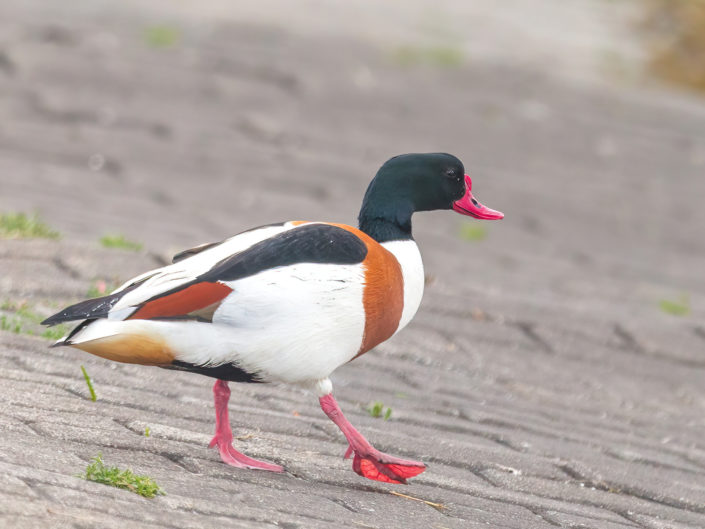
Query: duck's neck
[[382, 230], [386, 223]]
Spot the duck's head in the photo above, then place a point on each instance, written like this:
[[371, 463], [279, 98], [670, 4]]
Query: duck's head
[[417, 182]]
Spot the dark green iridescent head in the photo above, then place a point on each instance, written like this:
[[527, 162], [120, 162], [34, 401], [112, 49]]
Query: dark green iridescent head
[[409, 183]]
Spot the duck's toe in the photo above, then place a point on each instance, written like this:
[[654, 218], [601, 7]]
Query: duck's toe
[[382, 467], [232, 457]]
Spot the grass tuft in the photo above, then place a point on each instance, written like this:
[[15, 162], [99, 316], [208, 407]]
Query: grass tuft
[[89, 383], [471, 231], [55, 332], [24, 320], [10, 325], [21, 226], [162, 36], [122, 479], [147, 431], [119, 241], [677, 307], [376, 410]]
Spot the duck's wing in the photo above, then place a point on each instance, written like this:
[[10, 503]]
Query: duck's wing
[[249, 235], [193, 287], [187, 266]]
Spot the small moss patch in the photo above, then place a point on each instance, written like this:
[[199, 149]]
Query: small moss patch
[[122, 479], [676, 307], [120, 242], [439, 56], [470, 231], [22, 226], [162, 36]]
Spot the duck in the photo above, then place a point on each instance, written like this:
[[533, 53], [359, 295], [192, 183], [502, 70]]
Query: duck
[[287, 302]]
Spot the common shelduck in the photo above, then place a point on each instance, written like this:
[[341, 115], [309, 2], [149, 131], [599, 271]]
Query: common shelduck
[[286, 302]]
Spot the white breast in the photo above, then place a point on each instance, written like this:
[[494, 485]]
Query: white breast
[[407, 253]]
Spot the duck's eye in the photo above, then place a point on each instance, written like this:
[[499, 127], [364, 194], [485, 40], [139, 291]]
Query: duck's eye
[[451, 173]]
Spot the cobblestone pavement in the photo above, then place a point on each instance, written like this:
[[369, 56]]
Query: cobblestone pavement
[[541, 380]]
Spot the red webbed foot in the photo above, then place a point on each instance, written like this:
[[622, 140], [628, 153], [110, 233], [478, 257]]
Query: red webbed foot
[[376, 465], [378, 469], [368, 461]]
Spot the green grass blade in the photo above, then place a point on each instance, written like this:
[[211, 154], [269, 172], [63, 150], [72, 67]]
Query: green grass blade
[[120, 242], [89, 383]]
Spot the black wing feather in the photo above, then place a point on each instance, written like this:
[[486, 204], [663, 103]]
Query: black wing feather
[[91, 308], [310, 243]]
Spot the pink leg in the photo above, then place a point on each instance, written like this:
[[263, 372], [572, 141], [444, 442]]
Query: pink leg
[[224, 436], [368, 461]]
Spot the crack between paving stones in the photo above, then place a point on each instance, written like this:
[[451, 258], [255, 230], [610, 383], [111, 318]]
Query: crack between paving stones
[[529, 330], [656, 464], [123, 513], [607, 486], [541, 513], [120, 404], [496, 438], [33, 484], [448, 337], [202, 512], [631, 344], [628, 339], [30, 424], [699, 332], [385, 492], [177, 460], [343, 504], [125, 424], [66, 268], [533, 508], [633, 517], [463, 415], [158, 259]]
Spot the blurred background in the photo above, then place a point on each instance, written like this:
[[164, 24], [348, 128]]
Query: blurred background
[[172, 123], [566, 341]]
